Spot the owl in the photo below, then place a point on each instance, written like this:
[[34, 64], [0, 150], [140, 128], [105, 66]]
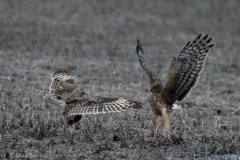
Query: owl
[[74, 103], [181, 78]]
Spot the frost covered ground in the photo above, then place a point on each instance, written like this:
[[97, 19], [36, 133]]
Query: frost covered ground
[[95, 41]]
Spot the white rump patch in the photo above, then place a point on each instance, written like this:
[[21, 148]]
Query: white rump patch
[[175, 106]]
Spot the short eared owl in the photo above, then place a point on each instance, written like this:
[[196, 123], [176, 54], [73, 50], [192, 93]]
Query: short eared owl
[[73, 101], [182, 76]]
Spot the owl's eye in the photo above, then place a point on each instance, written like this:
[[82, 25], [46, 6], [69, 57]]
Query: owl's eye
[[70, 81]]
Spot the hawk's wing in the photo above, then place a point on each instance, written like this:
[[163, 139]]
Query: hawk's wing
[[62, 83], [185, 70], [99, 105], [144, 62]]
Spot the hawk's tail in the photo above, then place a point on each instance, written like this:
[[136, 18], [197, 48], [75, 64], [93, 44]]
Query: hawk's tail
[[183, 105]]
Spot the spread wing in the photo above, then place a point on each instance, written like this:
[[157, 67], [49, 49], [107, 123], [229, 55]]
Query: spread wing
[[144, 62], [99, 105], [185, 70], [62, 83], [63, 89]]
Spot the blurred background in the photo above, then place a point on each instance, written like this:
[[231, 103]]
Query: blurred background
[[95, 41]]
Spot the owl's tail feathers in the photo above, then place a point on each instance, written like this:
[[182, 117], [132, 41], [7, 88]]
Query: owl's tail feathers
[[183, 105]]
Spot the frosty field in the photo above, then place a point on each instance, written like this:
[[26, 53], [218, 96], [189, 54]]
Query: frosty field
[[95, 41]]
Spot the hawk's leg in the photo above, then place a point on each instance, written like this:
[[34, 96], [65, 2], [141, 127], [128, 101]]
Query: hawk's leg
[[155, 122], [166, 121]]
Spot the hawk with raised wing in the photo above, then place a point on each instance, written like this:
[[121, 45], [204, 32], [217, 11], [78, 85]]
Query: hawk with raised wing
[[181, 78], [74, 103]]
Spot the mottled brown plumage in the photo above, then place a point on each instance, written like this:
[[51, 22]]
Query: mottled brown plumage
[[63, 89], [73, 101], [181, 78], [62, 83]]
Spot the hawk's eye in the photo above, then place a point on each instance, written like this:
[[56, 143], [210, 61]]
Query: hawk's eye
[[156, 87]]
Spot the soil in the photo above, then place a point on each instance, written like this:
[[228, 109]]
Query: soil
[[95, 41]]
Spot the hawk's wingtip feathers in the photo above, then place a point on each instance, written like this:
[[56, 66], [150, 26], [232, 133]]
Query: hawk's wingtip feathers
[[138, 42], [139, 47], [210, 46]]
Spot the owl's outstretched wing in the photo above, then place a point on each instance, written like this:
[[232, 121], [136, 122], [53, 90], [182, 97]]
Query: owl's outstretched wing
[[63, 89], [99, 105], [62, 83], [144, 62], [185, 70]]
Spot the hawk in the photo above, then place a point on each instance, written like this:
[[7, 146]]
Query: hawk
[[74, 103], [181, 78]]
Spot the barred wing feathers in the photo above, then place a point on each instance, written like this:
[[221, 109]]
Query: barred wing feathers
[[145, 64], [100, 105], [185, 70]]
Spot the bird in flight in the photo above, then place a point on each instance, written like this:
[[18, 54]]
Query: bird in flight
[[181, 78], [74, 103]]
